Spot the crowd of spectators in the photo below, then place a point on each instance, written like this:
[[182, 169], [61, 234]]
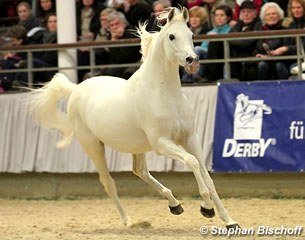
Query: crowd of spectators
[[35, 22]]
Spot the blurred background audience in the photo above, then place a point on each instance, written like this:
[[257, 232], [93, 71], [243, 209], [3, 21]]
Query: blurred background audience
[[206, 17]]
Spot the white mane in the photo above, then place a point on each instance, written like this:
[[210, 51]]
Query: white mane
[[146, 37]]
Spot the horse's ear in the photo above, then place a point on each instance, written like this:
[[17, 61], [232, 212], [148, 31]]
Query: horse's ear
[[185, 14], [171, 14]]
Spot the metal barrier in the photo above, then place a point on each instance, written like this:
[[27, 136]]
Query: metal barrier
[[225, 38]]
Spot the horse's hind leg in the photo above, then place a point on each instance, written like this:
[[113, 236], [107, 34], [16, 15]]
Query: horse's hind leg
[[96, 151], [140, 169]]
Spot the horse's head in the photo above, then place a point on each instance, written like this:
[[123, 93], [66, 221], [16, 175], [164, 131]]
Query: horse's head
[[177, 40]]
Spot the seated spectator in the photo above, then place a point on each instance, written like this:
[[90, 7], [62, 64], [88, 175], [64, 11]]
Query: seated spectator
[[212, 50], [102, 54], [88, 26], [47, 58], [26, 17], [223, 16], [159, 6], [135, 11], [87, 19], [17, 35], [257, 3], [198, 21], [248, 22], [104, 32], [296, 11], [120, 29], [272, 16], [44, 8], [210, 6], [13, 60]]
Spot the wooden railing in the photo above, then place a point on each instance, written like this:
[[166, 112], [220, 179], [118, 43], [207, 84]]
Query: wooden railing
[[225, 38]]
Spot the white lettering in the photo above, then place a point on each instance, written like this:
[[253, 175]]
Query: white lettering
[[264, 146], [296, 130], [255, 149], [229, 148], [239, 150]]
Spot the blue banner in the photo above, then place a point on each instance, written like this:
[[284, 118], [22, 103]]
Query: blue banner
[[259, 127]]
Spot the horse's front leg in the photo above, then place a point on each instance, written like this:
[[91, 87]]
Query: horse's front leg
[[193, 146], [168, 148], [140, 169]]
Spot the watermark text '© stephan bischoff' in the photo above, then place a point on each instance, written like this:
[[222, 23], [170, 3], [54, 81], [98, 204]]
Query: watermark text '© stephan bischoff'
[[258, 231]]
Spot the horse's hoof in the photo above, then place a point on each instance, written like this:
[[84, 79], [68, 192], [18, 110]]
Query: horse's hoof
[[208, 213], [233, 226], [177, 210]]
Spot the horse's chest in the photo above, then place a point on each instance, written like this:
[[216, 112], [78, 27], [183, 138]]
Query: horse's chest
[[175, 123], [166, 115]]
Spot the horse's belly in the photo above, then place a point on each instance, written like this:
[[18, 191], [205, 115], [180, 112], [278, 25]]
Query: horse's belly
[[124, 140], [119, 130]]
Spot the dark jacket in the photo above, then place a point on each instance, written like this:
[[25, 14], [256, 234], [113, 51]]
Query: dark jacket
[[50, 57], [295, 24], [139, 12], [125, 54], [30, 23], [273, 43], [244, 48], [95, 24]]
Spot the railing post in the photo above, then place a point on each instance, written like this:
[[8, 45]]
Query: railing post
[[226, 57], [299, 55], [66, 33], [30, 68], [92, 60]]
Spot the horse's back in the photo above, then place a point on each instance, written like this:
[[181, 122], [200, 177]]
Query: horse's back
[[102, 85], [96, 93]]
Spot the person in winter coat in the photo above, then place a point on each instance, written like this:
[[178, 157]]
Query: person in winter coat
[[26, 17], [248, 22], [272, 17]]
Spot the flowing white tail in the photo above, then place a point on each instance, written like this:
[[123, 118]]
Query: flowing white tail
[[44, 106]]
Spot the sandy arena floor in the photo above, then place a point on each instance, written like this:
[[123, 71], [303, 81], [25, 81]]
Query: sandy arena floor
[[98, 219]]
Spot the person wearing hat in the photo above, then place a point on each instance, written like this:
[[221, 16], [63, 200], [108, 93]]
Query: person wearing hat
[[257, 3], [248, 22]]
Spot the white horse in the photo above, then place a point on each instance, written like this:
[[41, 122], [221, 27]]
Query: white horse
[[147, 112]]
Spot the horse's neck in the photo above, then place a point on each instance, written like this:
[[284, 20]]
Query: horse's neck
[[160, 73]]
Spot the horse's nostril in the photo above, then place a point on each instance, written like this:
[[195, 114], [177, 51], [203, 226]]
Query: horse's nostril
[[189, 60]]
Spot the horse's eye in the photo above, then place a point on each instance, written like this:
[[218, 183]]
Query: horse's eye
[[171, 37]]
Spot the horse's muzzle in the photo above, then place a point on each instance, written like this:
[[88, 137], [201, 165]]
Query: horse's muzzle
[[192, 64]]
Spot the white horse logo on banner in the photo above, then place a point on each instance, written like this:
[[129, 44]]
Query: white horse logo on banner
[[248, 117]]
